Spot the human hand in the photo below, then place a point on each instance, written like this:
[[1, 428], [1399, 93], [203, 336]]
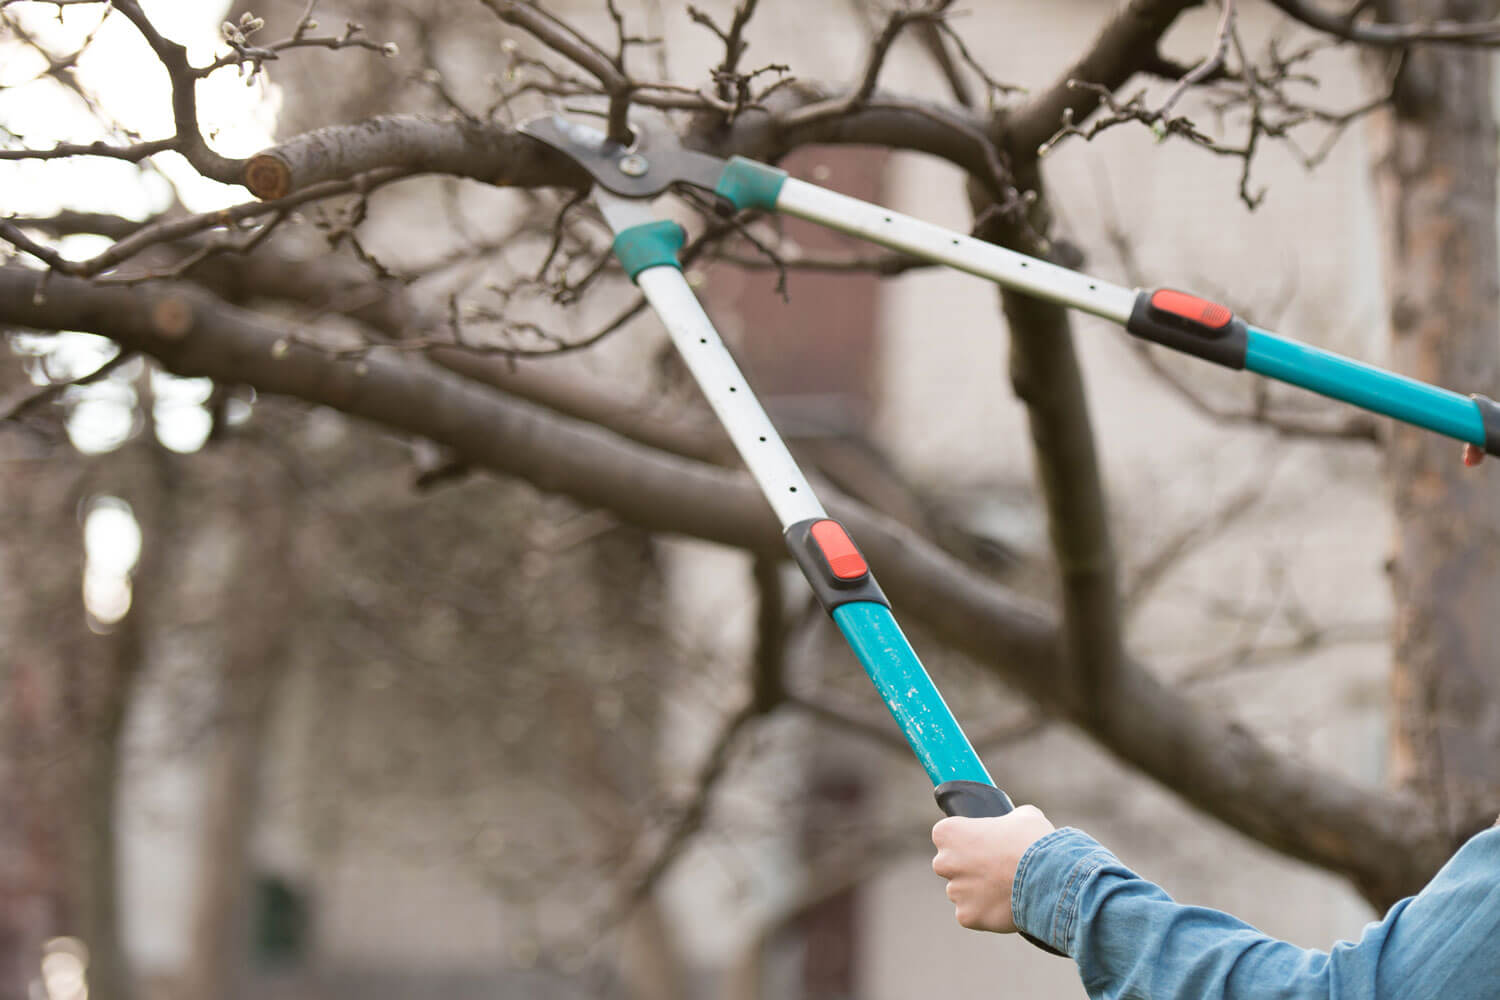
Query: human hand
[[978, 857], [1473, 455]]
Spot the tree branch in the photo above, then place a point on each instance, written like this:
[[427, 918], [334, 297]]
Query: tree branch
[[567, 42], [1126, 46], [1484, 34], [767, 693], [27, 402], [490, 153], [497, 154], [1211, 64], [189, 139], [168, 230]]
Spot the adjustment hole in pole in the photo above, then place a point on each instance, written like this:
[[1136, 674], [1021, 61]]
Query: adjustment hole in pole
[[955, 242], [702, 340], [887, 218], [794, 489], [1093, 288], [762, 437], [732, 389], [1024, 264]]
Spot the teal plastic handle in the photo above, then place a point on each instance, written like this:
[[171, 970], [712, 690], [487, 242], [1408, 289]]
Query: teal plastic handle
[[748, 184], [1366, 386], [913, 700]]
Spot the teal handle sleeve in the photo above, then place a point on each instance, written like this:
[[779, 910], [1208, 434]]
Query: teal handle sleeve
[[1374, 389], [930, 728]]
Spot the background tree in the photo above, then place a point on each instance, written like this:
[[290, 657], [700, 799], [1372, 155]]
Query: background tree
[[438, 352]]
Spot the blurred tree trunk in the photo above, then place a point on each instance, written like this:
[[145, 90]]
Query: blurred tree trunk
[[254, 607], [39, 608], [66, 693], [1436, 174], [101, 686]]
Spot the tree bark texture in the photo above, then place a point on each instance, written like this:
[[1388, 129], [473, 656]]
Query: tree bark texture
[[1436, 168]]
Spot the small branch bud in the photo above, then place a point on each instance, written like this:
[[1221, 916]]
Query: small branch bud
[[172, 317]]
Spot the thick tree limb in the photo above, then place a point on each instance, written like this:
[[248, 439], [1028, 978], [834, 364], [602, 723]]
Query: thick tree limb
[[1443, 32], [1387, 844], [459, 147], [497, 154], [1045, 374]]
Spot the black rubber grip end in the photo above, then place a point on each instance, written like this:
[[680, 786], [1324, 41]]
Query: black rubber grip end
[[1489, 412], [971, 798]]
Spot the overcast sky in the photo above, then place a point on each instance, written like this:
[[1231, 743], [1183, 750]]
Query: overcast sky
[[129, 91]]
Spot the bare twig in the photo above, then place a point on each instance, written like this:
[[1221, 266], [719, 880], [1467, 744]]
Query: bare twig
[[27, 402], [189, 139], [168, 230], [569, 43], [936, 44], [1210, 64], [1252, 653], [885, 265], [243, 53], [1352, 426], [1260, 92], [1182, 543], [133, 153], [1126, 45], [766, 694]]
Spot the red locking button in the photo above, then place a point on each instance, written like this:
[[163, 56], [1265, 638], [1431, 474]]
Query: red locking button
[[1191, 308], [838, 550]]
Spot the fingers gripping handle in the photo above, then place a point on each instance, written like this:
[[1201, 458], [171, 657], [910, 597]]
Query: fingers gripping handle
[[977, 800]]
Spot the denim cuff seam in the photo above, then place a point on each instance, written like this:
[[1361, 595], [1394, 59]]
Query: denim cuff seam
[[1023, 868], [1065, 915]]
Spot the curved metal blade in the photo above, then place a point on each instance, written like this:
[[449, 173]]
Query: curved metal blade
[[644, 169]]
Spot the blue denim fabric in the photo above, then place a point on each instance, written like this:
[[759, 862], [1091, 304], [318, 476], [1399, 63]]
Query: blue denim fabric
[[1132, 942]]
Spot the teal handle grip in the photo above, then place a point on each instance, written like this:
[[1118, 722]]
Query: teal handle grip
[[650, 244], [747, 184], [913, 700], [1374, 389]]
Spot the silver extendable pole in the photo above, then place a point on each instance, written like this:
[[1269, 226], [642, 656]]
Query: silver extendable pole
[[943, 246]]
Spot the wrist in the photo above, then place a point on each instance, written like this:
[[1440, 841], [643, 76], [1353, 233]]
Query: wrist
[[1044, 894]]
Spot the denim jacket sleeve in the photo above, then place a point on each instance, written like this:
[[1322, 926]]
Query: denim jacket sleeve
[[1132, 942]]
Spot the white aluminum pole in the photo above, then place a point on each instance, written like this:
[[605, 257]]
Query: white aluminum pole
[[717, 374], [944, 246]]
